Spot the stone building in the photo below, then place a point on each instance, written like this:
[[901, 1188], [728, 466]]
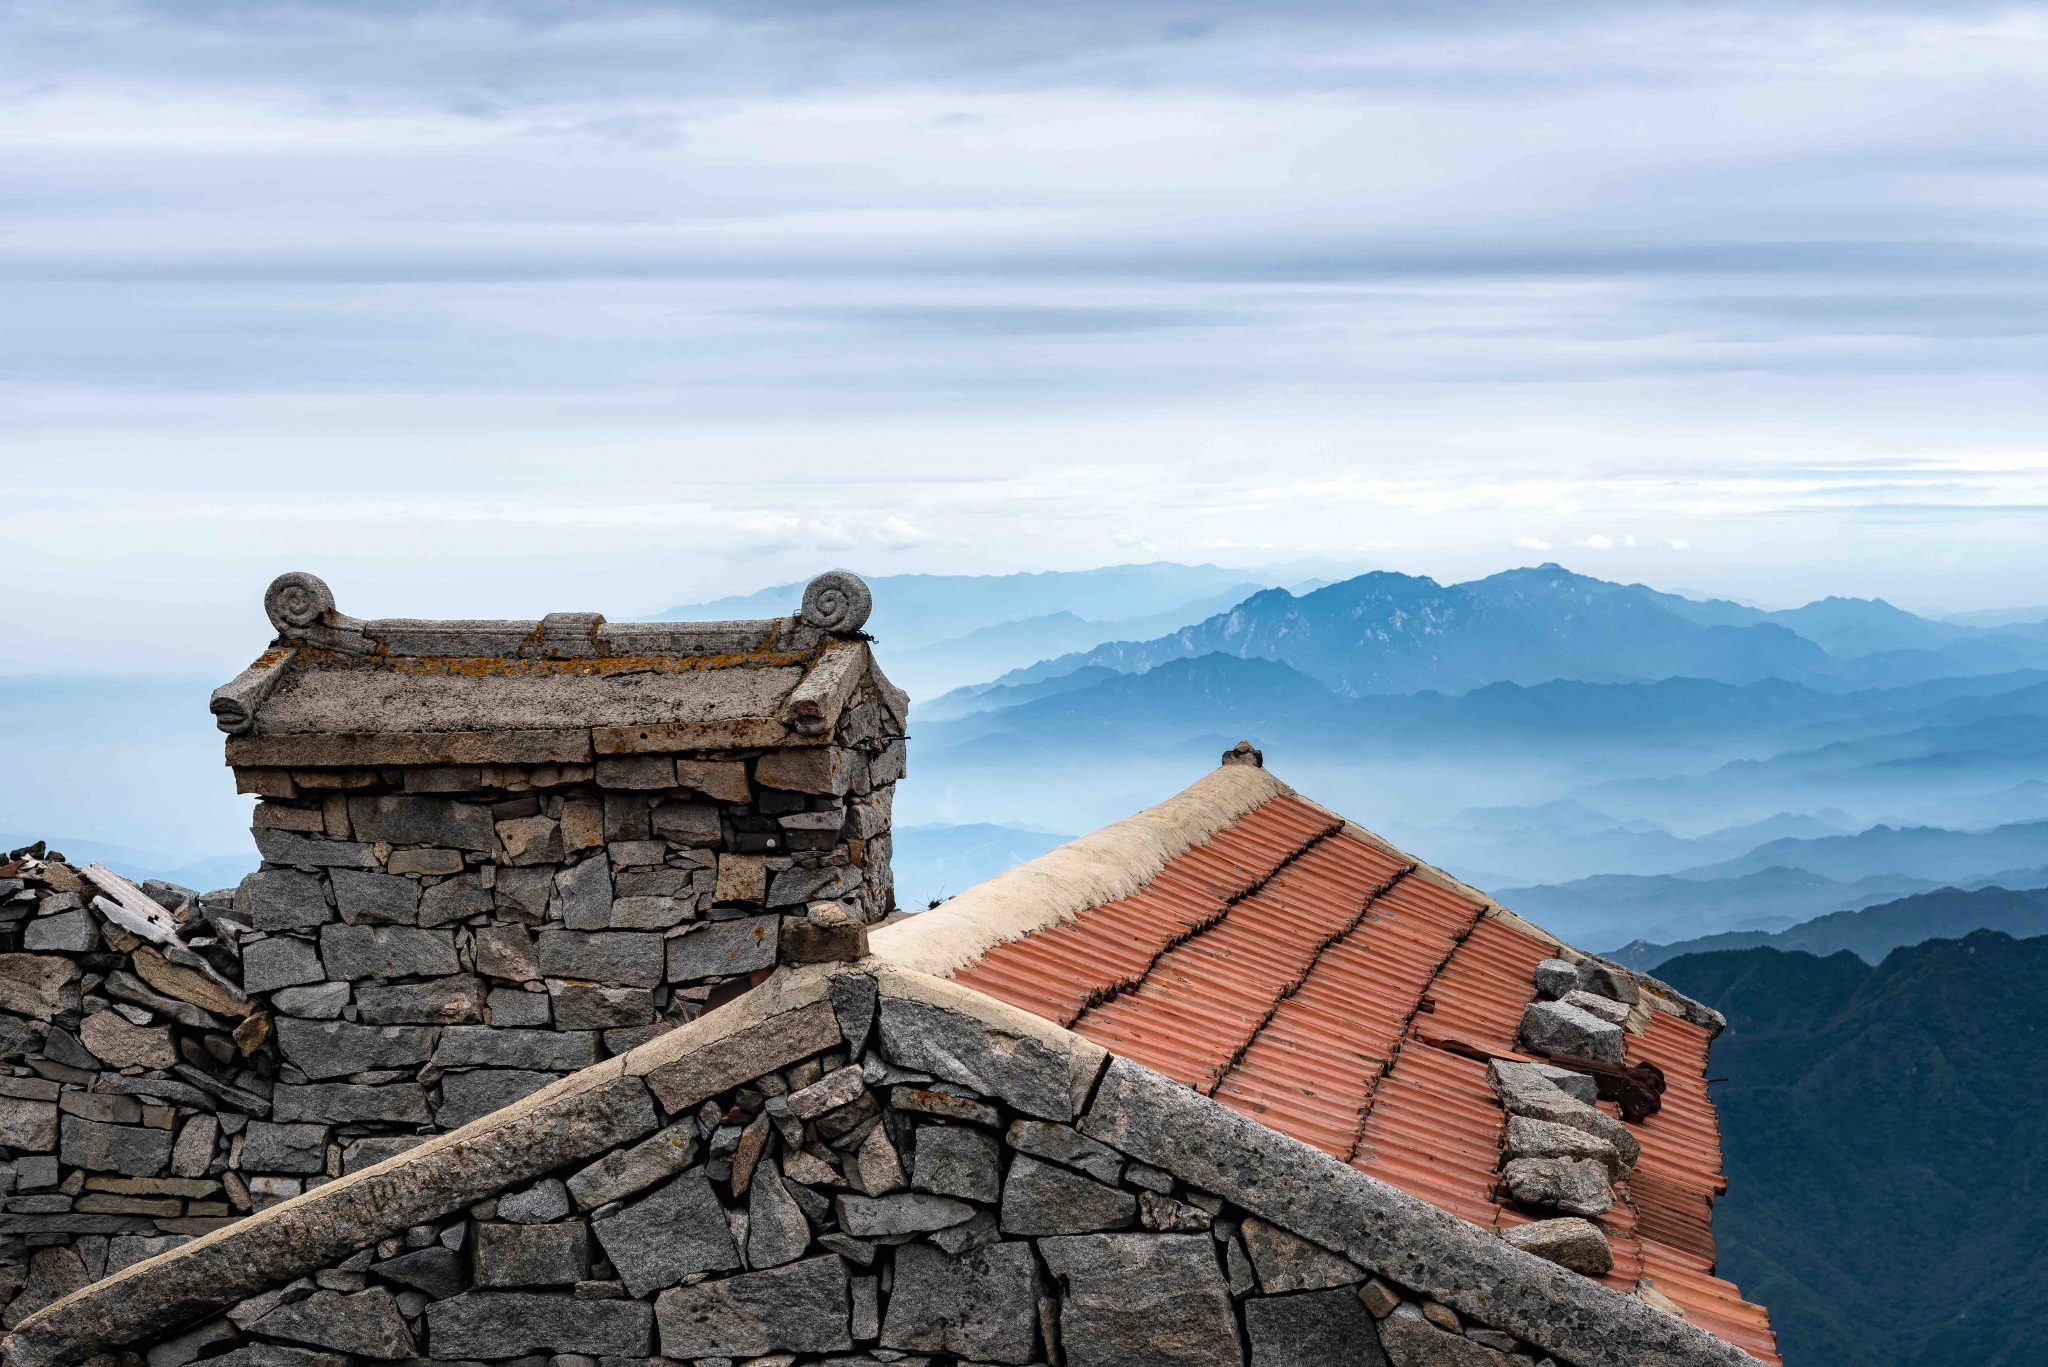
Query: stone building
[[1232, 1081]]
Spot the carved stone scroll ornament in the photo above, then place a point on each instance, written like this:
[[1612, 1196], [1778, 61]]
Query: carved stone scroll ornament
[[296, 601], [837, 601]]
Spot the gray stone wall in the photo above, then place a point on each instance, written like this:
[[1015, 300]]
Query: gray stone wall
[[421, 946], [857, 1203]]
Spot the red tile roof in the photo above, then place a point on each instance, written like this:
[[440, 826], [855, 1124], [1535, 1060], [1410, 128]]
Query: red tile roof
[[1311, 977]]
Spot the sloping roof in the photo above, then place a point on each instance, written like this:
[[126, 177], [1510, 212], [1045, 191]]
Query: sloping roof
[[1272, 955], [564, 689]]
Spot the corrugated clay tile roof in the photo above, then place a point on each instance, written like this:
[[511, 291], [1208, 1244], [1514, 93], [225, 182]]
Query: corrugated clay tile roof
[[1321, 984]]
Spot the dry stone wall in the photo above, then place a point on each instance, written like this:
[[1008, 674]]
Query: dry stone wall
[[421, 946], [864, 1180]]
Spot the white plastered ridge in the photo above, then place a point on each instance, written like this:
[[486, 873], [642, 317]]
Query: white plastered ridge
[[1099, 868]]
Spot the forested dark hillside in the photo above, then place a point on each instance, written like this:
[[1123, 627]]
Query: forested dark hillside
[[1884, 1144]]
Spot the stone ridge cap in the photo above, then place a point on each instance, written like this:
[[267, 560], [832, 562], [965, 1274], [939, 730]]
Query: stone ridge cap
[[1657, 993], [1103, 866], [297, 1236]]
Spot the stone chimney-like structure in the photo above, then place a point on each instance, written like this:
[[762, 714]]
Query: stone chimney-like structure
[[559, 836]]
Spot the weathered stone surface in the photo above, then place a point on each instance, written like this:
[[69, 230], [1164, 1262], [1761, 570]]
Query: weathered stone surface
[[455, 899], [129, 1149], [1529, 1090], [471, 1046], [436, 1271], [311, 851], [943, 1105], [583, 895], [404, 819], [277, 1355], [507, 1324], [1042, 1074], [723, 780], [183, 1348], [1066, 1145], [376, 898], [1593, 1004], [1558, 1029], [1285, 1262], [329, 1049], [1528, 1138], [1410, 1340], [280, 961], [1042, 1198], [473, 1095], [742, 879], [719, 949], [796, 886], [840, 1087], [366, 1324], [773, 1043], [823, 770], [875, 1168], [545, 1200], [507, 952], [1317, 1329], [652, 913], [593, 1006], [1142, 1300], [532, 1255], [1576, 1188], [628, 957], [340, 1103], [318, 1001], [28, 1124], [777, 1231], [522, 894], [666, 1236], [35, 984], [531, 840], [52, 1273], [801, 1308], [270, 1147], [909, 1212], [438, 1001], [387, 952], [686, 823], [625, 1172], [118, 1043], [68, 932], [1608, 980], [1569, 1242], [432, 863], [982, 1306], [1555, 977], [1577, 1085]]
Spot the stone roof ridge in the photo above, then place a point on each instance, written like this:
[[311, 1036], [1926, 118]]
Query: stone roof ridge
[[301, 607], [734, 684]]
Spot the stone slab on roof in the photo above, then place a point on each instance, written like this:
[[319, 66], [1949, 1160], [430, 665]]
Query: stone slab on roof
[[566, 688]]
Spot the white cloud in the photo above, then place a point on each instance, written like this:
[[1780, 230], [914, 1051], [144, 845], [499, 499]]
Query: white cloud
[[1531, 543], [1679, 543], [1598, 541]]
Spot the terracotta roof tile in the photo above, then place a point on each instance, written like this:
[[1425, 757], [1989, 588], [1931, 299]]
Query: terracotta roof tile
[[1339, 993]]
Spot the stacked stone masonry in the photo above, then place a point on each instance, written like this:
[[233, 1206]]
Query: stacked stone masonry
[[886, 1183], [422, 945]]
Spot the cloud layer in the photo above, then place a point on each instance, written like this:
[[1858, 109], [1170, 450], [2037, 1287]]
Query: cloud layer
[[522, 306]]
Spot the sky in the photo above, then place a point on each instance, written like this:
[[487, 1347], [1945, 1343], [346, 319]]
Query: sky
[[511, 308]]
